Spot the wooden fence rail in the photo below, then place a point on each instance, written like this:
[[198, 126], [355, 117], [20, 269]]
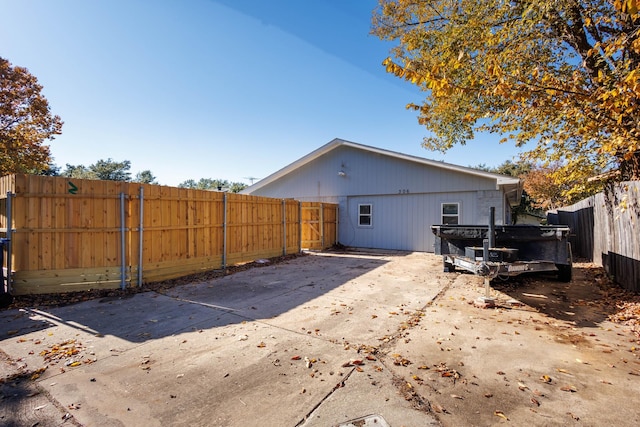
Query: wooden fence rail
[[71, 234], [606, 230]]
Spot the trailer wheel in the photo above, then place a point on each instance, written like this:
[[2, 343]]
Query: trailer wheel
[[449, 268], [564, 272]]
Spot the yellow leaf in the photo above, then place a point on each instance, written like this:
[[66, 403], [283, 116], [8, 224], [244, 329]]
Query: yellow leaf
[[500, 414]]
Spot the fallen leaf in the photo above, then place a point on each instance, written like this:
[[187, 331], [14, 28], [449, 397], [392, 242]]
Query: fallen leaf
[[438, 408], [522, 387], [261, 345], [535, 401], [546, 378], [455, 396], [296, 357], [570, 388], [500, 414], [488, 395]]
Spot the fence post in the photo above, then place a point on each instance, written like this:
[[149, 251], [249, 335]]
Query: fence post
[[336, 209], [9, 240], [321, 226], [122, 243], [141, 242], [284, 227], [299, 226], [224, 231]]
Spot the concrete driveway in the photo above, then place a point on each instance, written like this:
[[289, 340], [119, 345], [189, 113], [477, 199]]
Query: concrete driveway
[[352, 339], [283, 345]]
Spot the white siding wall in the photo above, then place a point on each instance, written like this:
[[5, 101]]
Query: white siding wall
[[368, 173], [406, 196], [401, 221]]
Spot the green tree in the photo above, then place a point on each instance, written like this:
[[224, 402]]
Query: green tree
[[78, 172], [26, 121], [563, 75], [145, 177], [205, 184], [213, 184], [109, 169], [236, 187]]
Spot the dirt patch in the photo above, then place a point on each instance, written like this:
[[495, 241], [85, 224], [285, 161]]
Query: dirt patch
[[549, 353], [589, 299]]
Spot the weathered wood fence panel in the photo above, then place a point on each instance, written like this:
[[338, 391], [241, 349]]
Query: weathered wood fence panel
[[606, 230], [72, 234]]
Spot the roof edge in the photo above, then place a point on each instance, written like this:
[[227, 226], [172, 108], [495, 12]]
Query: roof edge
[[337, 142]]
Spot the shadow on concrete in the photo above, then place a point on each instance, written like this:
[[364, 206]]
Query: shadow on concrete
[[256, 293], [579, 301]]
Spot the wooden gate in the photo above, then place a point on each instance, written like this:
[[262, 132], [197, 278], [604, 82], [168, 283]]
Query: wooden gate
[[319, 225]]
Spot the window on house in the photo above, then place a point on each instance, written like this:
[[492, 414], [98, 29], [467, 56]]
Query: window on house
[[364, 215], [450, 213]]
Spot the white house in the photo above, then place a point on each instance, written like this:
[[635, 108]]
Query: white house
[[389, 200]]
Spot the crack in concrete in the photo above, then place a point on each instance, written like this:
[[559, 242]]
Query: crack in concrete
[[317, 405]]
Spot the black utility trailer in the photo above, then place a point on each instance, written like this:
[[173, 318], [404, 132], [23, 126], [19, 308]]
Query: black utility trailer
[[505, 250]]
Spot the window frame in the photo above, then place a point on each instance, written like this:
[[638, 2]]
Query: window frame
[[444, 215], [365, 215]]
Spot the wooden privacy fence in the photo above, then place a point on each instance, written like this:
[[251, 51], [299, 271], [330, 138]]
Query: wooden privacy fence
[[72, 234], [606, 230]]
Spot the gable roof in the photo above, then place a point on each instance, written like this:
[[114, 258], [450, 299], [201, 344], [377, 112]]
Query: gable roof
[[511, 184]]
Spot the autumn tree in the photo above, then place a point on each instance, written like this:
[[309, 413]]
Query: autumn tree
[[563, 75], [26, 121], [549, 188]]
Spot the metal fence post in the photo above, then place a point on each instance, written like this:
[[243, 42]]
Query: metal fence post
[[299, 226], [284, 227], [141, 243], [224, 232], [321, 226], [9, 246], [122, 243]]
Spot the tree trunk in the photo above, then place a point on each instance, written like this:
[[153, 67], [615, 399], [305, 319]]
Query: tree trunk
[[630, 169]]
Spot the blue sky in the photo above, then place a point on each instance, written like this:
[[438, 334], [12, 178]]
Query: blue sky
[[226, 89]]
